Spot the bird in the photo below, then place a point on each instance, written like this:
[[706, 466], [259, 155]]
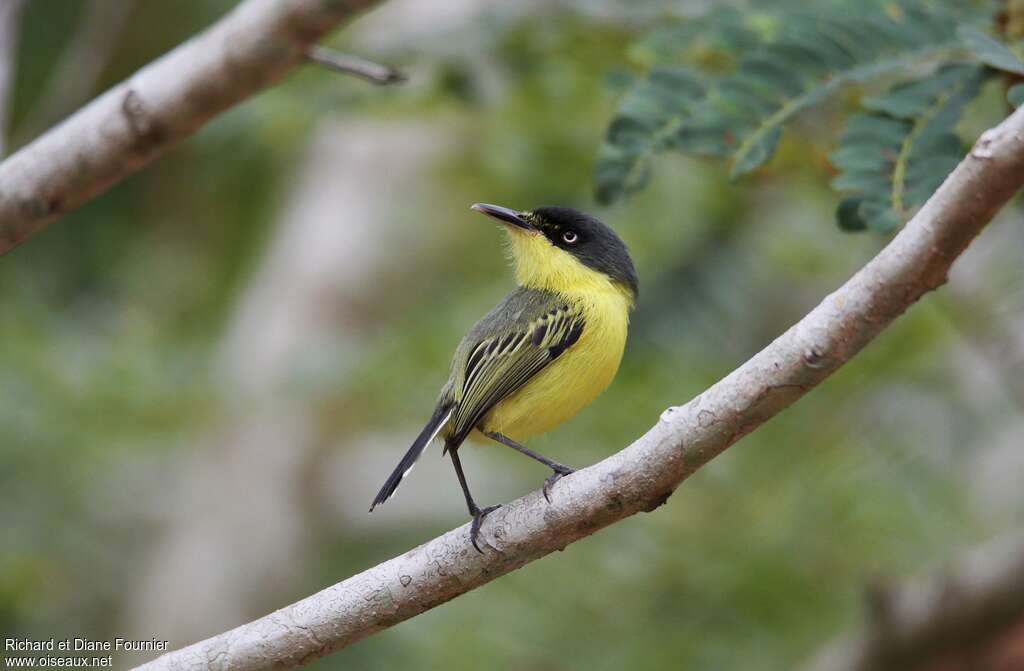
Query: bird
[[543, 353]]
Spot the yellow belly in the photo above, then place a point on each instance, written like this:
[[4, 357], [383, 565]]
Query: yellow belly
[[572, 380]]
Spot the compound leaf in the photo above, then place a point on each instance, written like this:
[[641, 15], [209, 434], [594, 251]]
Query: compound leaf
[[893, 156]]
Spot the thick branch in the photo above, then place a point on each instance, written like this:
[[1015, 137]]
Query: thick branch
[[959, 608], [131, 124], [642, 476]]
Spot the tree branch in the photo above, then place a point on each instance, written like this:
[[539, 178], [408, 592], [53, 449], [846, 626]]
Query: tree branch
[[957, 609], [254, 46], [642, 476]]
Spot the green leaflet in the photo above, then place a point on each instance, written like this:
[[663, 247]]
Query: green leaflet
[[990, 51], [748, 74], [892, 157], [756, 150], [1016, 95], [648, 116], [710, 39], [848, 215], [826, 52]]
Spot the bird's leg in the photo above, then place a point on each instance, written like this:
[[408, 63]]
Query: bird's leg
[[474, 510], [558, 468]]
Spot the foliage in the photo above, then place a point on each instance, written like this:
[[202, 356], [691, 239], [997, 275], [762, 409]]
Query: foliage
[[726, 84], [897, 152], [1016, 95], [112, 357]]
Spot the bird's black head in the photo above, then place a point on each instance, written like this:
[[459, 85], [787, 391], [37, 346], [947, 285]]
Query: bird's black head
[[594, 243], [590, 241]]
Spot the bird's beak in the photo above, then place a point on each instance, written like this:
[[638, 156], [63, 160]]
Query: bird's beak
[[504, 215]]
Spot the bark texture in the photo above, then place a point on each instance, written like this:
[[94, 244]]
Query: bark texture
[[254, 46], [642, 476]]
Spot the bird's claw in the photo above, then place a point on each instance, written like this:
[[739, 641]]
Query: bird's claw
[[553, 478], [478, 518]]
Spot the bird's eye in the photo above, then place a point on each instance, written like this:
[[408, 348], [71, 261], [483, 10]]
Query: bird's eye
[[570, 237]]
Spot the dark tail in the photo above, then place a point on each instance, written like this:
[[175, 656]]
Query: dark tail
[[429, 432]]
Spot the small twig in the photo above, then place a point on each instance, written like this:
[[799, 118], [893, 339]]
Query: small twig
[[375, 73]]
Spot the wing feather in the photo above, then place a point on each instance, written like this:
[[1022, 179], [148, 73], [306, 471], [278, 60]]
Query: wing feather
[[501, 364]]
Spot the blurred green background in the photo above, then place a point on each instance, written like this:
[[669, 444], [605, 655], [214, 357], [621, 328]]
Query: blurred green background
[[206, 373]]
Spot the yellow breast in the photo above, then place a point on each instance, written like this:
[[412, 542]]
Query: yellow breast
[[576, 377]]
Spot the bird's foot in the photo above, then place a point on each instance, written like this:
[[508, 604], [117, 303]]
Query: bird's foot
[[478, 518], [560, 471]]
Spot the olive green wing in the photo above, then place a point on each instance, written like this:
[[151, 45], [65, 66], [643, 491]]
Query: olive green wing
[[504, 356]]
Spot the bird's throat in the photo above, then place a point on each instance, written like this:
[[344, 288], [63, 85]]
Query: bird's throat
[[541, 265]]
